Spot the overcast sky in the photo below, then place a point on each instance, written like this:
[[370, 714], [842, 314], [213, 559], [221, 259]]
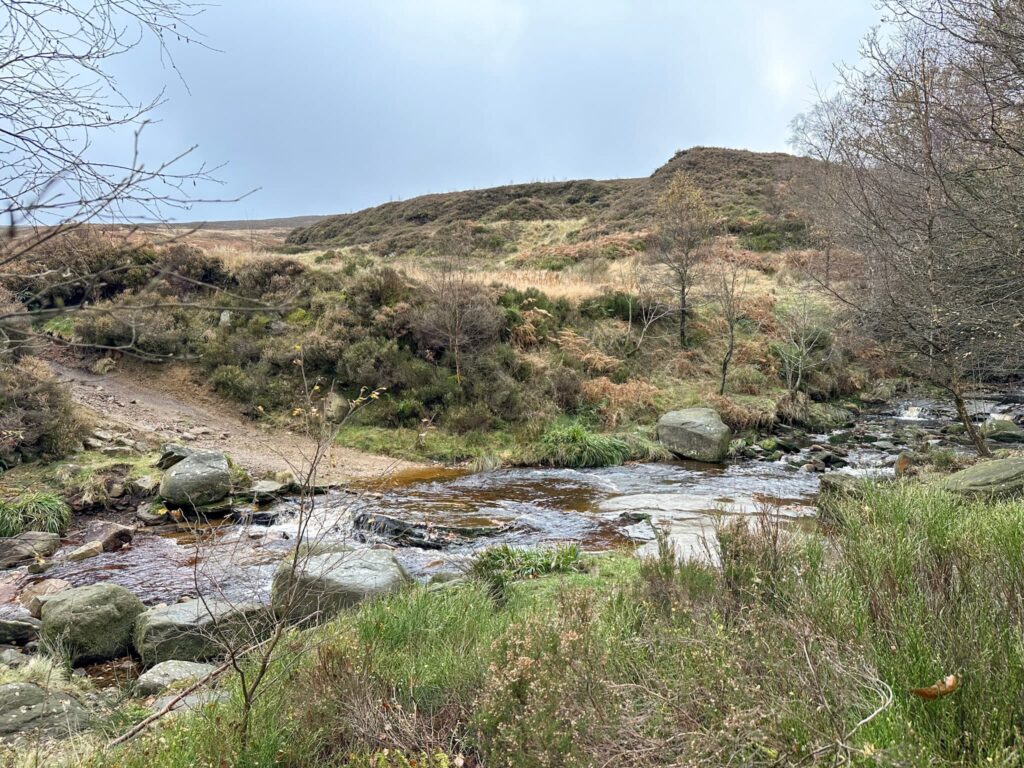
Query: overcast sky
[[335, 105]]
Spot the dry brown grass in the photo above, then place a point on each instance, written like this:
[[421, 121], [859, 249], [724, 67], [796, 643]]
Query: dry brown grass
[[616, 402], [582, 350]]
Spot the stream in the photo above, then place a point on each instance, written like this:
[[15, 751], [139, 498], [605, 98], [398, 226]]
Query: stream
[[600, 509]]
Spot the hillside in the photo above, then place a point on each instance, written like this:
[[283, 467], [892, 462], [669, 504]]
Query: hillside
[[744, 186]]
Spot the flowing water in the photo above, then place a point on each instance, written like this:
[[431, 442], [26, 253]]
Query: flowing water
[[599, 509]]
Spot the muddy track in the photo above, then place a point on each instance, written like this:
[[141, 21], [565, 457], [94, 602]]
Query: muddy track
[[164, 404]]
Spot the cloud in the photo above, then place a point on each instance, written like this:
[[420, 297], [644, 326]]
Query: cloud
[[781, 67]]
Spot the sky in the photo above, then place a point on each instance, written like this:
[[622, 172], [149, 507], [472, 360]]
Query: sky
[[331, 106]]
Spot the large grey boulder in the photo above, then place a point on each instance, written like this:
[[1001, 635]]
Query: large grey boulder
[[995, 478], [197, 630], [199, 479], [92, 623], [695, 433], [1002, 431], [320, 586], [26, 547], [168, 673], [28, 708]]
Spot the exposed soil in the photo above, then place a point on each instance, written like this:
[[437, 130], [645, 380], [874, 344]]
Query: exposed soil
[[181, 410]]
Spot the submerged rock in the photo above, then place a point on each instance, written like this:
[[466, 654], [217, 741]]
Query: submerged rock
[[87, 550], [93, 623], [197, 630], [28, 708], [322, 585], [997, 478], [409, 533], [168, 673], [26, 547], [199, 480], [695, 433]]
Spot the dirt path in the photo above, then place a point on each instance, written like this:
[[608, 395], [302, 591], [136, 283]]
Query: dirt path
[[181, 411]]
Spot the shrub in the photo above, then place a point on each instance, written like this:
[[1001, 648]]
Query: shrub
[[271, 278], [37, 415], [188, 269], [573, 444], [34, 512]]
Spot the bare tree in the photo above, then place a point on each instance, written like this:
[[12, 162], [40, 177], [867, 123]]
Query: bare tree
[[686, 226], [729, 287], [647, 306], [805, 344], [924, 142]]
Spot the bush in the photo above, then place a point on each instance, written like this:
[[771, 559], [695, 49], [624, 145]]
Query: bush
[[573, 444], [34, 512], [37, 415], [188, 269]]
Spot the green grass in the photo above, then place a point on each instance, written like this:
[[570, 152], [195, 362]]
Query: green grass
[[38, 511], [573, 444]]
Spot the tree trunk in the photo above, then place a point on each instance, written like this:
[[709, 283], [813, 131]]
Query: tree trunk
[[969, 425], [726, 360], [682, 315]]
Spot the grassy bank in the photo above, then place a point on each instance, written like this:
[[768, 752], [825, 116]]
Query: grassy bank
[[802, 649]]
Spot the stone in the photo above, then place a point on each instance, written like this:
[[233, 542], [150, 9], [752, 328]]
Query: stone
[[197, 630], [834, 489], [113, 536], [225, 318], [93, 623], [39, 566], [171, 454], [26, 547], [18, 630], [12, 658], [263, 491], [103, 435], [33, 596], [168, 673], [1002, 431], [997, 478], [84, 552], [103, 366], [322, 585], [695, 433], [92, 444], [147, 514], [198, 480], [29, 708], [117, 450], [146, 485]]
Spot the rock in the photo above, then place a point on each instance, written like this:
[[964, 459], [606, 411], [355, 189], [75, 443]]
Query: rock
[[904, 466], [93, 623], [171, 454], [263, 491], [996, 478], [146, 485], [12, 658], [225, 318], [18, 630], [197, 480], [167, 673], [833, 490], [413, 533], [92, 444], [103, 435], [26, 707], [117, 450], [191, 703], [695, 433], [84, 552], [196, 630], [39, 566], [103, 366], [113, 536], [1002, 431], [322, 585], [26, 547], [147, 514], [34, 595]]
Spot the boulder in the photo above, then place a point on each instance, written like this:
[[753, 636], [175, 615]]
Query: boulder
[[197, 630], [84, 552], [695, 433], [167, 673], [1002, 431], [26, 547], [198, 480], [995, 478], [113, 536], [34, 595], [12, 658], [322, 585], [263, 491], [18, 630], [834, 489], [147, 514], [28, 708], [93, 623]]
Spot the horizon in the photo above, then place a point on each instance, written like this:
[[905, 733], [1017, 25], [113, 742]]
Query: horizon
[[406, 100]]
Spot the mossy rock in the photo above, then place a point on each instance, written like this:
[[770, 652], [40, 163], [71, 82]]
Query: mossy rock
[[996, 478], [92, 623]]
